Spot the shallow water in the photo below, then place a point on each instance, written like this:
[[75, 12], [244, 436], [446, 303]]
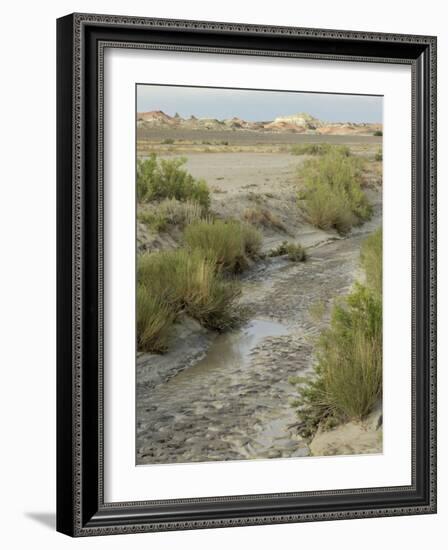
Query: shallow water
[[229, 351]]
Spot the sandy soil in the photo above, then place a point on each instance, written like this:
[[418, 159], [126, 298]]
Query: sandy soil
[[252, 181]]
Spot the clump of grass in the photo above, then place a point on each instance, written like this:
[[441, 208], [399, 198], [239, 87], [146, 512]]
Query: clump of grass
[[155, 221], [347, 381], [168, 141], [229, 243], [170, 212], [154, 322], [319, 149], [332, 196], [159, 179], [348, 373], [379, 155], [378, 133], [295, 252], [181, 281], [181, 213], [262, 217], [371, 261]]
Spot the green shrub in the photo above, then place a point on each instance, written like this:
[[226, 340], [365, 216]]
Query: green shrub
[[156, 221], [319, 149], [228, 243], [378, 133], [295, 252], [372, 261], [168, 141], [347, 381], [332, 196], [379, 155], [348, 374], [158, 179], [175, 281]]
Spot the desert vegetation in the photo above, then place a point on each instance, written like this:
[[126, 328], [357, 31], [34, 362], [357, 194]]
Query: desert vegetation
[[294, 251], [158, 216], [179, 281], [331, 195], [347, 378], [191, 279], [230, 243], [263, 217], [167, 179]]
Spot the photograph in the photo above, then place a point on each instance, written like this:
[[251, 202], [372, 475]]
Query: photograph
[[258, 274], [246, 273]]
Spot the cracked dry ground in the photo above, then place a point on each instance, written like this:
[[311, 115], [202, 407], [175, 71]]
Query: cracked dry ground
[[233, 409]]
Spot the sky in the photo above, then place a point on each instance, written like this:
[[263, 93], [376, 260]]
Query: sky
[[257, 105]]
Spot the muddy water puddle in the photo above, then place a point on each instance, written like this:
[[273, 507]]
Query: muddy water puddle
[[229, 351], [230, 405]]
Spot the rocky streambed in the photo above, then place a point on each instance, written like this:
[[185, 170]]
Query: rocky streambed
[[227, 397]]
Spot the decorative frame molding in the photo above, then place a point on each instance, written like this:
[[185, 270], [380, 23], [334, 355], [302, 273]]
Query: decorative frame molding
[[81, 42]]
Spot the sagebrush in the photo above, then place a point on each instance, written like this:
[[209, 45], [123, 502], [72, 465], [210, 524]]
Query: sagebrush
[[331, 195], [159, 179]]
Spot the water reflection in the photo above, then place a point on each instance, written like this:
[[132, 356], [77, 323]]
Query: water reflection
[[230, 350]]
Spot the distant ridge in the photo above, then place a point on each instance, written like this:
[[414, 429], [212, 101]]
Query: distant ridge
[[299, 123]]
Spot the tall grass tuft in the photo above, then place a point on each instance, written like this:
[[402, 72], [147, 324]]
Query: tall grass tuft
[[159, 215], [229, 243], [154, 321], [331, 196], [347, 380], [371, 261], [176, 281], [166, 178]]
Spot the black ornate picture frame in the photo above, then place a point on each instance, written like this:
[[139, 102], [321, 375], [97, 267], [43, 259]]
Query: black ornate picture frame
[[81, 508]]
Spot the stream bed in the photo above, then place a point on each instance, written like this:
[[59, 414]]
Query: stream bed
[[233, 401]]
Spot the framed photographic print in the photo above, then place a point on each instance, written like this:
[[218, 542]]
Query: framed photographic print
[[246, 274]]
